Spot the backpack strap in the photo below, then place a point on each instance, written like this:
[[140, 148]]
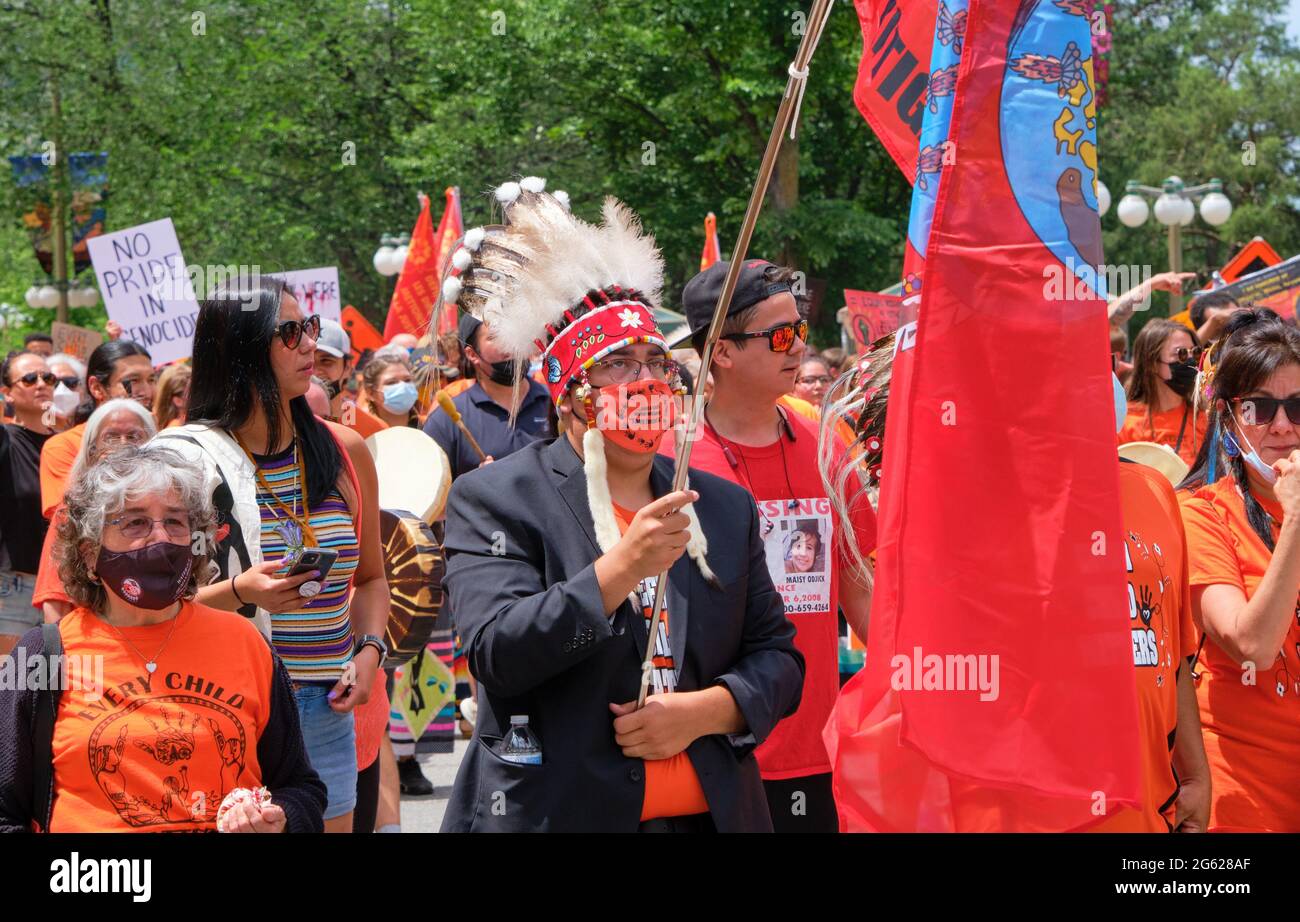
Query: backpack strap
[[223, 503], [45, 708]]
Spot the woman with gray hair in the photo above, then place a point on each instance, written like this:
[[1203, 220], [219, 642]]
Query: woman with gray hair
[[189, 721], [114, 424]]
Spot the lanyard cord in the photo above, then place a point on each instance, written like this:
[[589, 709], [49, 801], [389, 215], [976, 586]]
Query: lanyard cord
[[299, 478], [742, 463]]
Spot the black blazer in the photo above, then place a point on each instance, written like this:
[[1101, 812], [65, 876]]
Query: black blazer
[[521, 550]]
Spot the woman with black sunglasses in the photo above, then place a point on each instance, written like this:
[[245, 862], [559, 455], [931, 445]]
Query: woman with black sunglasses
[[28, 385], [285, 483], [1161, 390], [1243, 539]]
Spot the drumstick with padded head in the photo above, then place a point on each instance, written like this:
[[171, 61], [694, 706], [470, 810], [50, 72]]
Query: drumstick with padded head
[[444, 401]]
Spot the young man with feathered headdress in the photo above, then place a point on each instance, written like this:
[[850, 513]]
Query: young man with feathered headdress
[[553, 554]]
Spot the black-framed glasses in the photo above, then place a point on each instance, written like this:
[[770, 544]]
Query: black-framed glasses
[[31, 378], [1260, 411], [291, 331], [141, 526], [1183, 355], [625, 371], [780, 338]]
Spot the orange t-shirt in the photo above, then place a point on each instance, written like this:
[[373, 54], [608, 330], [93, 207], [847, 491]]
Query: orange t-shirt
[[364, 423], [672, 788], [57, 457], [1163, 429], [1251, 730], [49, 588], [459, 386], [808, 411], [1160, 618], [158, 752]]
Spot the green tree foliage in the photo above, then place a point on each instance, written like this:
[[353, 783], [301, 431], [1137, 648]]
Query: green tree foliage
[[295, 134]]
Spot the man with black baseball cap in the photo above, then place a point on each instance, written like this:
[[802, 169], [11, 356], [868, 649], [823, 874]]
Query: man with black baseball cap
[[749, 438], [486, 405]]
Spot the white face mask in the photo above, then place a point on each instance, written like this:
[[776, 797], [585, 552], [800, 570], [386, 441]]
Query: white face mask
[[65, 400], [1252, 458]]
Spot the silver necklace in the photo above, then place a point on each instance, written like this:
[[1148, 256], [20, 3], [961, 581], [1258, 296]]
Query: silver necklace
[[150, 663]]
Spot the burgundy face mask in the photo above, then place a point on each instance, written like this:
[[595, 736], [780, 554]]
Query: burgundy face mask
[[150, 577]]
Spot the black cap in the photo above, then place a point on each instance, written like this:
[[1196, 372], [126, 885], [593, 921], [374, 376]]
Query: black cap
[[468, 326], [700, 296]]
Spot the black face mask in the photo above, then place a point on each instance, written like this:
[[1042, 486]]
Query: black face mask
[[504, 373], [1182, 378], [333, 388], [150, 577]]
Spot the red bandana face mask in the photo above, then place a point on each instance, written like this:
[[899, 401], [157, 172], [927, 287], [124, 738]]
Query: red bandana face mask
[[634, 416]]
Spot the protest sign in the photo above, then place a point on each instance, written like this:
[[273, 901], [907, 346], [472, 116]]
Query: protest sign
[[871, 315], [316, 290], [146, 288], [1277, 287], [75, 341]]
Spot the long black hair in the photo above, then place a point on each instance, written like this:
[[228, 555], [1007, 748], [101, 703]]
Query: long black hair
[[100, 366], [1255, 344], [233, 375]]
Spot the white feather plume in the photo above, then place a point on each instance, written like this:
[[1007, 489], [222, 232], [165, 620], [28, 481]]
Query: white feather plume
[[507, 192], [533, 184], [451, 289], [567, 258], [474, 238], [461, 259]]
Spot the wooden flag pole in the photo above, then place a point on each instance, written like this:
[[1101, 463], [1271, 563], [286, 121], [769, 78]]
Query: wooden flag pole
[[787, 115]]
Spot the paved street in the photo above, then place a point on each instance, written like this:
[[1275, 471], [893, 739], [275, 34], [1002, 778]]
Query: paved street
[[424, 814]]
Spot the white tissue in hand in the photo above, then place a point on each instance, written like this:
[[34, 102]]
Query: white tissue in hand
[[258, 797]]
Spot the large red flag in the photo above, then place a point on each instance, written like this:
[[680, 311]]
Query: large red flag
[[895, 70], [998, 688], [417, 286]]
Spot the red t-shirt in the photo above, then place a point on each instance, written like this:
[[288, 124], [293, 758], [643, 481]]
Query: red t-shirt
[[805, 557]]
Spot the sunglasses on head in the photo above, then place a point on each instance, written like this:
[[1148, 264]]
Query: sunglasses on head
[[291, 331], [31, 377], [1260, 411], [779, 338]]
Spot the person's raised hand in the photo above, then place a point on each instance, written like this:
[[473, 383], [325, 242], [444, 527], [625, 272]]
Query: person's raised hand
[[657, 535], [1287, 487]]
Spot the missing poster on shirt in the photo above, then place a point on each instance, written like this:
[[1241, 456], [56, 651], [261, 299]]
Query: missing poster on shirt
[[798, 539]]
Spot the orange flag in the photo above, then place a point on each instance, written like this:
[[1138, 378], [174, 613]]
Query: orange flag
[[712, 250], [417, 286]]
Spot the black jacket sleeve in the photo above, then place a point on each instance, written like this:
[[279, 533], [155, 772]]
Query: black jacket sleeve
[[767, 678], [282, 755], [518, 632], [16, 715]]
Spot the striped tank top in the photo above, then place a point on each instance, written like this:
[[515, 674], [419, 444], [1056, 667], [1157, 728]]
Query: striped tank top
[[314, 639]]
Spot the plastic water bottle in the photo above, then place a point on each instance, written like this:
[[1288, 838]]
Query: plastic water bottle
[[520, 745]]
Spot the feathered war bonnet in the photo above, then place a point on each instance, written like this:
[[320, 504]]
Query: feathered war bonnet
[[546, 281]]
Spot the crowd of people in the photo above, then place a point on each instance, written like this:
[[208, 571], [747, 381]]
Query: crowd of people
[[209, 531]]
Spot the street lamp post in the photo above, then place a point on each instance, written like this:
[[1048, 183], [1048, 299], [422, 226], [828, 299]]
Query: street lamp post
[[1174, 208]]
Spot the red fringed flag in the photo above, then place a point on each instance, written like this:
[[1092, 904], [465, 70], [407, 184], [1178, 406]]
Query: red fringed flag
[[894, 72], [712, 249], [417, 287], [998, 689]]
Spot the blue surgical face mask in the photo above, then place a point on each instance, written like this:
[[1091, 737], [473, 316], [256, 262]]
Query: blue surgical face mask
[[400, 396], [1121, 402], [1252, 458]]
